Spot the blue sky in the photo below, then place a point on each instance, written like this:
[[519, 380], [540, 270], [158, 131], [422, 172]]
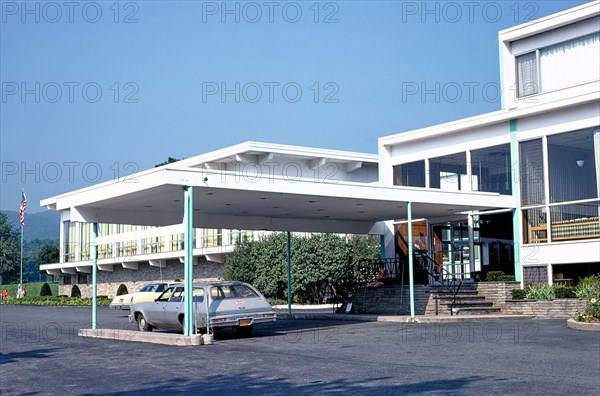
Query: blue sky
[[92, 90]]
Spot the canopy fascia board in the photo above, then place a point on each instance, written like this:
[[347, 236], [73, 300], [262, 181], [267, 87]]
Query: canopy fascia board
[[235, 181]]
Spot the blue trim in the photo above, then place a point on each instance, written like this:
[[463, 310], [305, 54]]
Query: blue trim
[[517, 232], [188, 267], [289, 270], [411, 280], [94, 275]]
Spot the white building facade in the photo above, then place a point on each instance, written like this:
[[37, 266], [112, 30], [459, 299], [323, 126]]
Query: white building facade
[[542, 148], [517, 190]]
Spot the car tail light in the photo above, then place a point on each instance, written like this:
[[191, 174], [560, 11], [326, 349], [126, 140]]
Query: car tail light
[[220, 320], [131, 300], [268, 315]]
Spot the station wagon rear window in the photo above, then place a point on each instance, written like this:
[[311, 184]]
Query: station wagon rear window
[[232, 291]]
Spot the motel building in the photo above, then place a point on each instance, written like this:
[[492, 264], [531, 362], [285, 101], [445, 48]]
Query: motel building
[[516, 190]]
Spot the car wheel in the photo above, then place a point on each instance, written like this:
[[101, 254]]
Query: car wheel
[[142, 324], [244, 331]]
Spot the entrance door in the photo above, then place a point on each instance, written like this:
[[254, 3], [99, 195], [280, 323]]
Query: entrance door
[[451, 250]]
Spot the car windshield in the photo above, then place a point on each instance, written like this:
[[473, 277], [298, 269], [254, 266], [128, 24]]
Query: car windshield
[[147, 288]]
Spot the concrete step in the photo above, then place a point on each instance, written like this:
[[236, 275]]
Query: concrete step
[[479, 311], [466, 297], [469, 304]]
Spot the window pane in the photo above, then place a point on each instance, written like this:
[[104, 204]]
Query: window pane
[[527, 74], [449, 172], [575, 221], [531, 172], [491, 169], [572, 166], [411, 174], [570, 63], [536, 227]]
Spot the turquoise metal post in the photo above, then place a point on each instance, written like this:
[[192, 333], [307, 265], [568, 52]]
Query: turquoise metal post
[[188, 266], [411, 280], [382, 246], [517, 234], [94, 252], [289, 265]]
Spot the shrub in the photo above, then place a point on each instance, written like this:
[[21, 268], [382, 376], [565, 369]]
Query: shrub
[[45, 290], [494, 276], [519, 294], [540, 292], [588, 286], [122, 290], [592, 311], [506, 278], [561, 291], [75, 292], [477, 276]]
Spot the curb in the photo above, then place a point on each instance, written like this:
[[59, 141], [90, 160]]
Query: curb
[[399, 319], [142, 336], [573, 324]]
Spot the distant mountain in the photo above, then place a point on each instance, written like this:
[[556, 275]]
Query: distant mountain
[[42, 225]]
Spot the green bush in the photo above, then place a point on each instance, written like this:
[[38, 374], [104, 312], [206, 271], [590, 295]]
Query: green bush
[[494, 276], [561, 291], [45, 290], [506, 278], [75, 292], [592, 311], [588, 286], [540, 292], [122, 290], [477, 276], [519, 294]]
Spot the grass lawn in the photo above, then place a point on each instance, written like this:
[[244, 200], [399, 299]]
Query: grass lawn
[[33, 289]]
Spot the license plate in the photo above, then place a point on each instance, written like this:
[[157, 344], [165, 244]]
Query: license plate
[[245, 322]]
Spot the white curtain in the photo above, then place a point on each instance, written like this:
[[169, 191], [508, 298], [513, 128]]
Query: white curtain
[[527, 75], [570, 63]]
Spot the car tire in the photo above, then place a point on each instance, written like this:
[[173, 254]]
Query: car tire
[[142, 324], [244, 331]]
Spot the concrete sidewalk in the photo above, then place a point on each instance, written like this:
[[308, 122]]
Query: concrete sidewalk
[[397, 318]]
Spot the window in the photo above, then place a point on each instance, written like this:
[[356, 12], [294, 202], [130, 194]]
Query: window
[[527, 74], [532, 172], [572, 166], [559, 66], [491, 169], [411, 174], [449, 172]]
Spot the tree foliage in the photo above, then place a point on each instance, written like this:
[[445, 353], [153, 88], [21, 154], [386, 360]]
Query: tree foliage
[[45, 290], [317, 261], [49, 253], [169, 160], [75, 292], [10, 251], [122, 289]]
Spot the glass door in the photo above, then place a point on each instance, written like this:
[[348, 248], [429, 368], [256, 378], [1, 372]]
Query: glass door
[[452, 251]]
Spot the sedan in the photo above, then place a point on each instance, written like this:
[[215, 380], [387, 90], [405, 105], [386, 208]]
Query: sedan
[[146, 293], [215, 305]]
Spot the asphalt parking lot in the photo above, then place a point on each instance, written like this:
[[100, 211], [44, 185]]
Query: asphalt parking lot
[[40, 353]]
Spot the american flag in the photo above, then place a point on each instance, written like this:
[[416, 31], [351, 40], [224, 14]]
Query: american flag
[[22, 207]]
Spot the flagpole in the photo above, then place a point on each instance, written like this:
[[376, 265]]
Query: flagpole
[[21, 277]]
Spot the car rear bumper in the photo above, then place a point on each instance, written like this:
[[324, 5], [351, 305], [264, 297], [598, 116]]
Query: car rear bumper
[[243, 320], [120, 306]]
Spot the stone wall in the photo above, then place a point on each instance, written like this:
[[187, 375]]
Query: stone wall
[[552, 309], [108, 282], [497, 292], [392, 300]]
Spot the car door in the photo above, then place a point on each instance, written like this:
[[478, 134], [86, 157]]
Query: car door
[[155, 311], [200, 294], [173, 308]]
